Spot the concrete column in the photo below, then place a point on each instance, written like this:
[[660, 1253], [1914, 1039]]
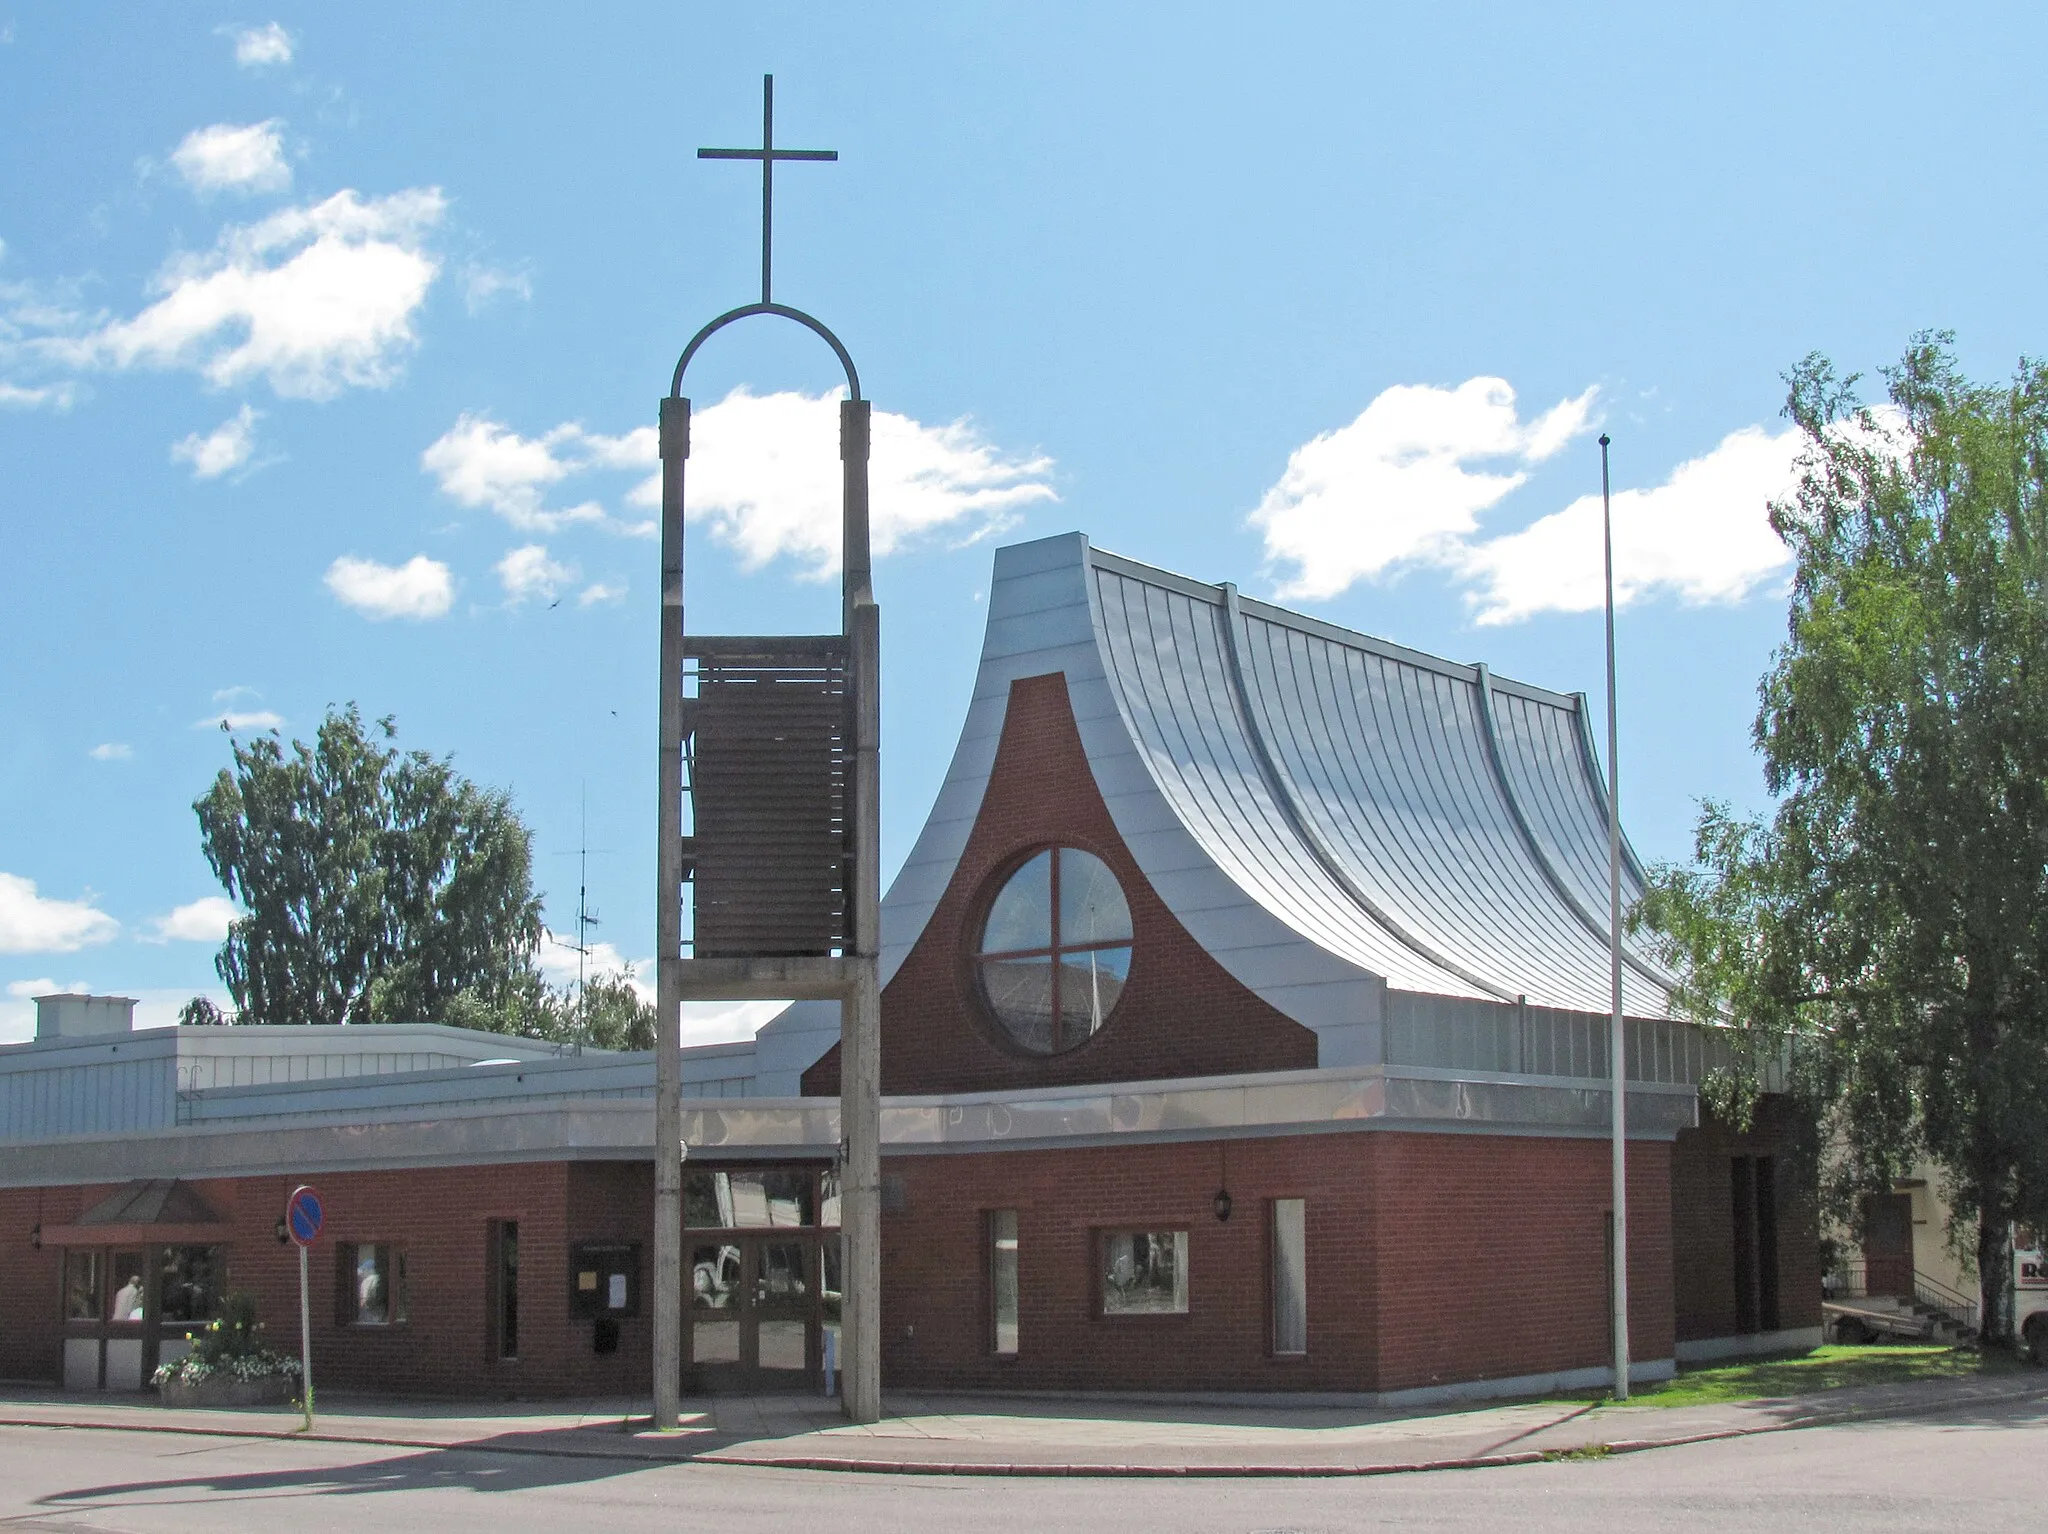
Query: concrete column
[[860, 1034], [856, 563], [668, 936]]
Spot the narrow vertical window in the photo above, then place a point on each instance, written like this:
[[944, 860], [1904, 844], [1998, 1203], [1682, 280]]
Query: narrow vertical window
[[1290, 1277], [508, 1289], [1002, 1272]]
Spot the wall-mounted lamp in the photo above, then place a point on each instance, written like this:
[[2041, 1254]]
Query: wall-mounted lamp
[[1222, 1203], [284, 1233], [35, 1235]]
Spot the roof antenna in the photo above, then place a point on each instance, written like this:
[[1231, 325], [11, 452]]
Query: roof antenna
[[586, 918]]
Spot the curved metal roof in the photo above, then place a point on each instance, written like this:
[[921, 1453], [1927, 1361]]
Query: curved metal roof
[[1350, 784]]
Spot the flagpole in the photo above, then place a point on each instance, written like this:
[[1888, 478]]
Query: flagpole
[[1617, 1051]]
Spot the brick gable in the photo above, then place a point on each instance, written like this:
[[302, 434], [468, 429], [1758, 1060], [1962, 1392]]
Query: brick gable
[[1181, 1014]]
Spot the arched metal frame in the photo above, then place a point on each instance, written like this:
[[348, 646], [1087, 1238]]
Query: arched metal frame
[[675, 387]]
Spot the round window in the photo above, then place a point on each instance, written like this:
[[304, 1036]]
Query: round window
[[1055, 950]]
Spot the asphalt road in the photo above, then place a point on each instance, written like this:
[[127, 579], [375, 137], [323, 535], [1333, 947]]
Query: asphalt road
[[1986, 1470]]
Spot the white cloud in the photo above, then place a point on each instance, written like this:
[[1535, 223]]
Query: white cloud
[[528, 573], [204, 920], [764, 475], [27, 397], [29, 990], [484, 285], [726, 1022], [598, 591], [480, 463], [1703, 536], [32, 923], [227, 447], [256, 47], [419, 588], [1394, 489], [1402, 484], [225, 158], [237, 720], [314, 299], [111, 751]]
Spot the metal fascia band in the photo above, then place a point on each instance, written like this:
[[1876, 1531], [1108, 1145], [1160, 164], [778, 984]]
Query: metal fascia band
[[1290, 806]]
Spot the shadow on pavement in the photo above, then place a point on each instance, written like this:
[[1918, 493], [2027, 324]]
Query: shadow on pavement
[[470, 1467]]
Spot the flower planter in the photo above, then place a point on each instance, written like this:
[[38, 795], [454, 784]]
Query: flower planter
[[270, 1390]]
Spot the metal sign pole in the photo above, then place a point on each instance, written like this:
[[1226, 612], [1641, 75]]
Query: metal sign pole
[[304, 1214], [1618, 1033], [305, 1342]]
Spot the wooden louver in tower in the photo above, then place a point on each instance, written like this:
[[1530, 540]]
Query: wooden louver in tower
[[770, 765]]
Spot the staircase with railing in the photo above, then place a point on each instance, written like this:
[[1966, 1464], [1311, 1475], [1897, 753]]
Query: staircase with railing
[[1953, 1316]]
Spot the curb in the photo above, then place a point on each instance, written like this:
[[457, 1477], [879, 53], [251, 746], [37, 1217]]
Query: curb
[[856, 1465]]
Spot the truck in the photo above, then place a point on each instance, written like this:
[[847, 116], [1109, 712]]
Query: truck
[[2030, 1291]]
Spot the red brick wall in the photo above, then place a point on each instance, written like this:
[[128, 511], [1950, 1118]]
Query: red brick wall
[[1496, 1255], [1432, 1259], [1702, 1214], [1181, 1014], [31, 1297], [441, 1217]]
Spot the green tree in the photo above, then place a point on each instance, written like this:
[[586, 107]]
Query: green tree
[[200, 1012], [378, 886], [1885, 931], [610, 1014]]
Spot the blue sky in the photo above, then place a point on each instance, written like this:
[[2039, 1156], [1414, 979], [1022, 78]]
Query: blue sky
[[325, 336]]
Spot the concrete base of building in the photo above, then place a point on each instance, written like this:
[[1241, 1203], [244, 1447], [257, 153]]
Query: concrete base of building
[[1644, 1372], [1707, 1350]]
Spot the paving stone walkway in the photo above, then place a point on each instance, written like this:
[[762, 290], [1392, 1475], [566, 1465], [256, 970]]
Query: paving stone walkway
[[949, 1434]]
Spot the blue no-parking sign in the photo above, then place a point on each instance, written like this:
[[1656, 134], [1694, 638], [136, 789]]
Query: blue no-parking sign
[[304, 1214]]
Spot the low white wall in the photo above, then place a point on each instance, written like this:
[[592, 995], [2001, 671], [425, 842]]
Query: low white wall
[[1706, 1350]]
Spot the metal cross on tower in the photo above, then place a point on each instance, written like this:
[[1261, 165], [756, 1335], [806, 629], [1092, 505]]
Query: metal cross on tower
[[767, 154]]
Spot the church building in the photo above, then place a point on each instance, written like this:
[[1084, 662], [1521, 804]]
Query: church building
[[1244, 1028]]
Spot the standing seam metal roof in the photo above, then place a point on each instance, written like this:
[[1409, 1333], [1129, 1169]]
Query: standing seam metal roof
[[1366, 776]]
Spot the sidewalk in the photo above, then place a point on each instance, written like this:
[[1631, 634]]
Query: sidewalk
[[932, 1434]]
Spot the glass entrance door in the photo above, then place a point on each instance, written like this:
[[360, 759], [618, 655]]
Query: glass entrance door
[[785, 1305], [759, 1292], [754, 1311]]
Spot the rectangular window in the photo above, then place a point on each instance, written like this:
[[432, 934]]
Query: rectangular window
[[1766, 1244], [750, 1200], [1002, 1279], [82, 1285], [1144, 1272], [505, 1286], [129, 1290], [1290, 1277], [188, 1284], [370, 1286]]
